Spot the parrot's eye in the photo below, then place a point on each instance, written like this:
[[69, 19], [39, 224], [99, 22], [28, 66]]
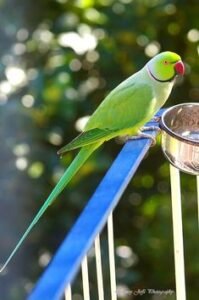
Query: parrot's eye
[[166, 62]]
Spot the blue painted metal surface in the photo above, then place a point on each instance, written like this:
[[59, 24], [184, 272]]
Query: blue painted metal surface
[[66, 262]]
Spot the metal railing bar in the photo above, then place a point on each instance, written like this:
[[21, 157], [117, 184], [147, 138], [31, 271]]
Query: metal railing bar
[[111, 257], [68, 293], [85, 279], [65, 263], [98, 259], [177, 234]]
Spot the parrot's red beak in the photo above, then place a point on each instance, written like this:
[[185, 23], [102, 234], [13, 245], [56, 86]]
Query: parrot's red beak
[[179, 68]]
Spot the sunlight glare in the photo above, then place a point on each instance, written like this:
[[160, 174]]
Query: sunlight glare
[[79, 43], [21, 149], [15, 75], [193, 35], [152, 49], [21, 163], [28, 101], [81, 123], [5, 87]]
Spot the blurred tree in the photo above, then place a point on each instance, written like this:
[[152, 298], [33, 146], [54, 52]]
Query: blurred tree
[[58, 61]]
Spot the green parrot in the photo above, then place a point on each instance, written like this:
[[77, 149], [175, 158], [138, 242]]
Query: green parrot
[[123, 112]]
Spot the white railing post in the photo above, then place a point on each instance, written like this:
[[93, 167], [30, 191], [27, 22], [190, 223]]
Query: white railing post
[[85, 279], [100, 285], [111, 257], [177, 234], [68, 293]]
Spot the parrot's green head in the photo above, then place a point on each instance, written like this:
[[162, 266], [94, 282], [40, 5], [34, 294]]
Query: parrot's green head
[[165, 66]]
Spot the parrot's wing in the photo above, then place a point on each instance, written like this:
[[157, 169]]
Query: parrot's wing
[[127, 108], [129, 105], [86, 138]]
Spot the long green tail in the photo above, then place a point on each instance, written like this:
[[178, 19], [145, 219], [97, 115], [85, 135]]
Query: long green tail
[[78, 161]]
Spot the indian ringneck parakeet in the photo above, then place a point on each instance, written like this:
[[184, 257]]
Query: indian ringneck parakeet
[[123, 112]]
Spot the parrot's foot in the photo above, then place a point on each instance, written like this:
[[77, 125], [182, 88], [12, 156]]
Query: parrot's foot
[[143, 135]]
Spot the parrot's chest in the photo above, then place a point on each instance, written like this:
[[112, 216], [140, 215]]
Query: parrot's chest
[[161, 93]]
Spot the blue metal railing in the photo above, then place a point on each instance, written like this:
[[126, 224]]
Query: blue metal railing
[[67, 260]]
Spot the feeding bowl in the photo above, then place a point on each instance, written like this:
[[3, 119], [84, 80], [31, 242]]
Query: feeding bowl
[[180, 136]]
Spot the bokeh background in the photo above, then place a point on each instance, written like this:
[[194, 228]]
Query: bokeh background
[[58, 59]]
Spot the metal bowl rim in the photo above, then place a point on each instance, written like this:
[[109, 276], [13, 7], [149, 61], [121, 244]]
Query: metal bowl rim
[[172, 133]]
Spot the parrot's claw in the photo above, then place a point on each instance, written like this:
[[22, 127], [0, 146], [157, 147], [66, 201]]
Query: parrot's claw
[[156, 119], [150, 128]]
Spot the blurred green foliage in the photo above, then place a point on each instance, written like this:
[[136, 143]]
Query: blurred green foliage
[[58, 61]]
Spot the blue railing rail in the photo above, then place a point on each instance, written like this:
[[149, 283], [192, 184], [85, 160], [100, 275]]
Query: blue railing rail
[[67, 260]]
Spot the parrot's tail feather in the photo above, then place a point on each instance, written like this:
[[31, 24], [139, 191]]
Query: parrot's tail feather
[[79, 160], [88, 137]]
